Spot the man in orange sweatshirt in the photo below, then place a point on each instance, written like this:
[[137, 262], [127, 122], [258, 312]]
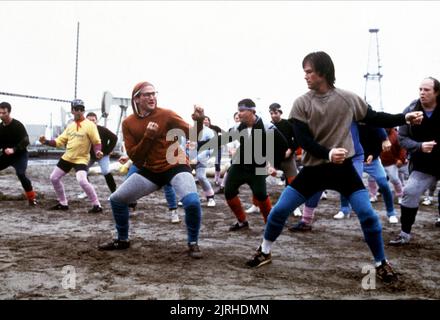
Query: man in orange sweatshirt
[[151, 138]]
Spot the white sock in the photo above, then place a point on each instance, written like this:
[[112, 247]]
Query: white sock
[[266, 246], [377, 264]]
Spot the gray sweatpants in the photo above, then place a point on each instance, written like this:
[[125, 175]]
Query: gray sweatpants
[[416, 185], [137, 186]]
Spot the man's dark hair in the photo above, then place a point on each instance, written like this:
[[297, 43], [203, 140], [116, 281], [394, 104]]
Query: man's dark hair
[[5, 105], [248, 103], [92, 114], [322, 64], [275, 107]]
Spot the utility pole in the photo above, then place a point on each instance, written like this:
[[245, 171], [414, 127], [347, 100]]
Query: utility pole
[[76, 63], [373, 87]]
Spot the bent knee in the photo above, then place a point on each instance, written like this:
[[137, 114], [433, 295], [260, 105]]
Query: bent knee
[[191, 200], [370, 222]]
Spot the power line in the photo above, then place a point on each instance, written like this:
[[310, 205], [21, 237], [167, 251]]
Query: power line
[[33, 97]]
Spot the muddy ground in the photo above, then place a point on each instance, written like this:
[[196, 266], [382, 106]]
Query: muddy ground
[[52, 255]]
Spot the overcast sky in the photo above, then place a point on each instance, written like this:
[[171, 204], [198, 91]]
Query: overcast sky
[[213, 53]]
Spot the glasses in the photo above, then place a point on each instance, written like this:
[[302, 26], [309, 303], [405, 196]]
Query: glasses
[[78, 108], [148, 94]]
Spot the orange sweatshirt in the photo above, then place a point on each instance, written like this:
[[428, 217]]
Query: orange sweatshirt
[[154, 152]]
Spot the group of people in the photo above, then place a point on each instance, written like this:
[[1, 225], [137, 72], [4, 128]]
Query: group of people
[[327, 123]]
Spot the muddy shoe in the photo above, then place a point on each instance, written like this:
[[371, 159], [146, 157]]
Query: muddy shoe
[[194, 251], [259, 259], [239, 226], [399, 241], [59, 206], [95, 209], [115, 244], [300, 226], [386, 273], [174, 216]]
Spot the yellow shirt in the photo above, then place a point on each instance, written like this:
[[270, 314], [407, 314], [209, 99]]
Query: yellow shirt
[[78, 141]]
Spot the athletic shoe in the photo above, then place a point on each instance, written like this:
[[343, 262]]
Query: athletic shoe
[[373, 199], [259, 259], [59, 206], [437, 223], [252, 209], [385, 272], [237, 226], [115, 244], [393, 219], [399, 241], [324, 195], [174, 216], [341, 215], [427, 201], [82, 195], [300, 226], [211, 202], [95, 209], [180, 204], [297, 212], [32, 202], [194, 251]]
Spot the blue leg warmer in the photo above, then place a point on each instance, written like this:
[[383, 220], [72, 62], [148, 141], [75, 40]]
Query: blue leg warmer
[[121, 216], [370, 223], [289, 200], [193, 215]]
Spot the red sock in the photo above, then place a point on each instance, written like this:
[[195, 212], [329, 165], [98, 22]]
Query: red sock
[[30, 195], [265, 207], [237, 209]]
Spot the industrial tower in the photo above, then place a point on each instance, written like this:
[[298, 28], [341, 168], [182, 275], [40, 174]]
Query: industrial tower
[[373, 88]]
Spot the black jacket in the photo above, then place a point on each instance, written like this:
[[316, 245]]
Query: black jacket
[[108, 141], [255, 149], [412, 137]]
